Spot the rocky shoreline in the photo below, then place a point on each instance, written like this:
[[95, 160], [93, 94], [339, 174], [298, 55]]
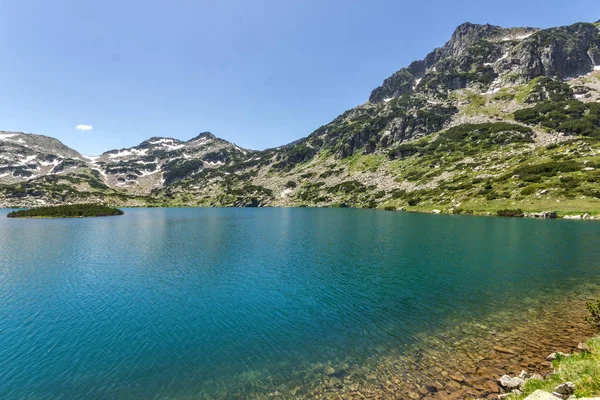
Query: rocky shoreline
[[562, 391], [534, 215], [472, 360]]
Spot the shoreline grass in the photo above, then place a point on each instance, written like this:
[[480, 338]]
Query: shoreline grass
[[582, 369]]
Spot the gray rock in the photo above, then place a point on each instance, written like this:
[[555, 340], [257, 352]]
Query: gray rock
[[583, 347], [511, 383], [535, 376], [554, 356], [541, 395], [543, 214], [523, 375], [564, 390], [586, 216]]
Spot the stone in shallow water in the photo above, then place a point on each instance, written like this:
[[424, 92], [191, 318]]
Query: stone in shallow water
[[452, 386], [504, 350]]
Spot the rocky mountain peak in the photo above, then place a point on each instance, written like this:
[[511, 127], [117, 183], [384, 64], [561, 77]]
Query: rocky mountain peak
[[468, 34], [204, 135], [485, 57]]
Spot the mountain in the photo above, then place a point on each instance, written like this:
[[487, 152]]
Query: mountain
[[40, 170], [24, 156], [495, 118], [159, 162]]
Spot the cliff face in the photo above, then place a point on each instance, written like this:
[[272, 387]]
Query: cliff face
[[516, 54], [457, 119]]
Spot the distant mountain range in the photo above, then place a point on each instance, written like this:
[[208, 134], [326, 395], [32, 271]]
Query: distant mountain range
[[495, 118]]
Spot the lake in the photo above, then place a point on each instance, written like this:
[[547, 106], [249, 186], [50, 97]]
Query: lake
[[185, 303]]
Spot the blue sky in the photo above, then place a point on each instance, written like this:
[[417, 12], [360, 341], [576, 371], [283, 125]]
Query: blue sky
[[258, 73]]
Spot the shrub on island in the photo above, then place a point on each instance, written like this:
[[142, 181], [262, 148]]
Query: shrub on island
[[67, 211], [510, 212]]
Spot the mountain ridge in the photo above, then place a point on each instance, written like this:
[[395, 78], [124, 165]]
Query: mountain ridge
[[487, 93]]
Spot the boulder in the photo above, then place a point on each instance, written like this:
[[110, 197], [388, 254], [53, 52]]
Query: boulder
[[510, 383], [572, 217], [436, 211], [583, 347], [535, 376], [586, 216], [564, 390]]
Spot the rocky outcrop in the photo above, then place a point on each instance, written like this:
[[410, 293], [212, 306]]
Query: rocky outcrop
[[543, 215], [558, 52], [480, 54]]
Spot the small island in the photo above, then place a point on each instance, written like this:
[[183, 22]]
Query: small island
[[67, 211]]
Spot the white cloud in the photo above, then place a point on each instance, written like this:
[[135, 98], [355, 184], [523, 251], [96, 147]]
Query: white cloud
[[83, 127]]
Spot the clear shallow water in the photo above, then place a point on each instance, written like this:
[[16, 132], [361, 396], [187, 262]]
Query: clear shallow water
[[178, 302]]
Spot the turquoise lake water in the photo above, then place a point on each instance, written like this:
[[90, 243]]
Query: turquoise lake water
[[175, 303]]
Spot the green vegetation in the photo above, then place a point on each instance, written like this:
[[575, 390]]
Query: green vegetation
[[180, 169], [544, 89], [594, 309], [67, 211], [507, 212], [582, 369], [535, 172], [468, 139], [571, 117]]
